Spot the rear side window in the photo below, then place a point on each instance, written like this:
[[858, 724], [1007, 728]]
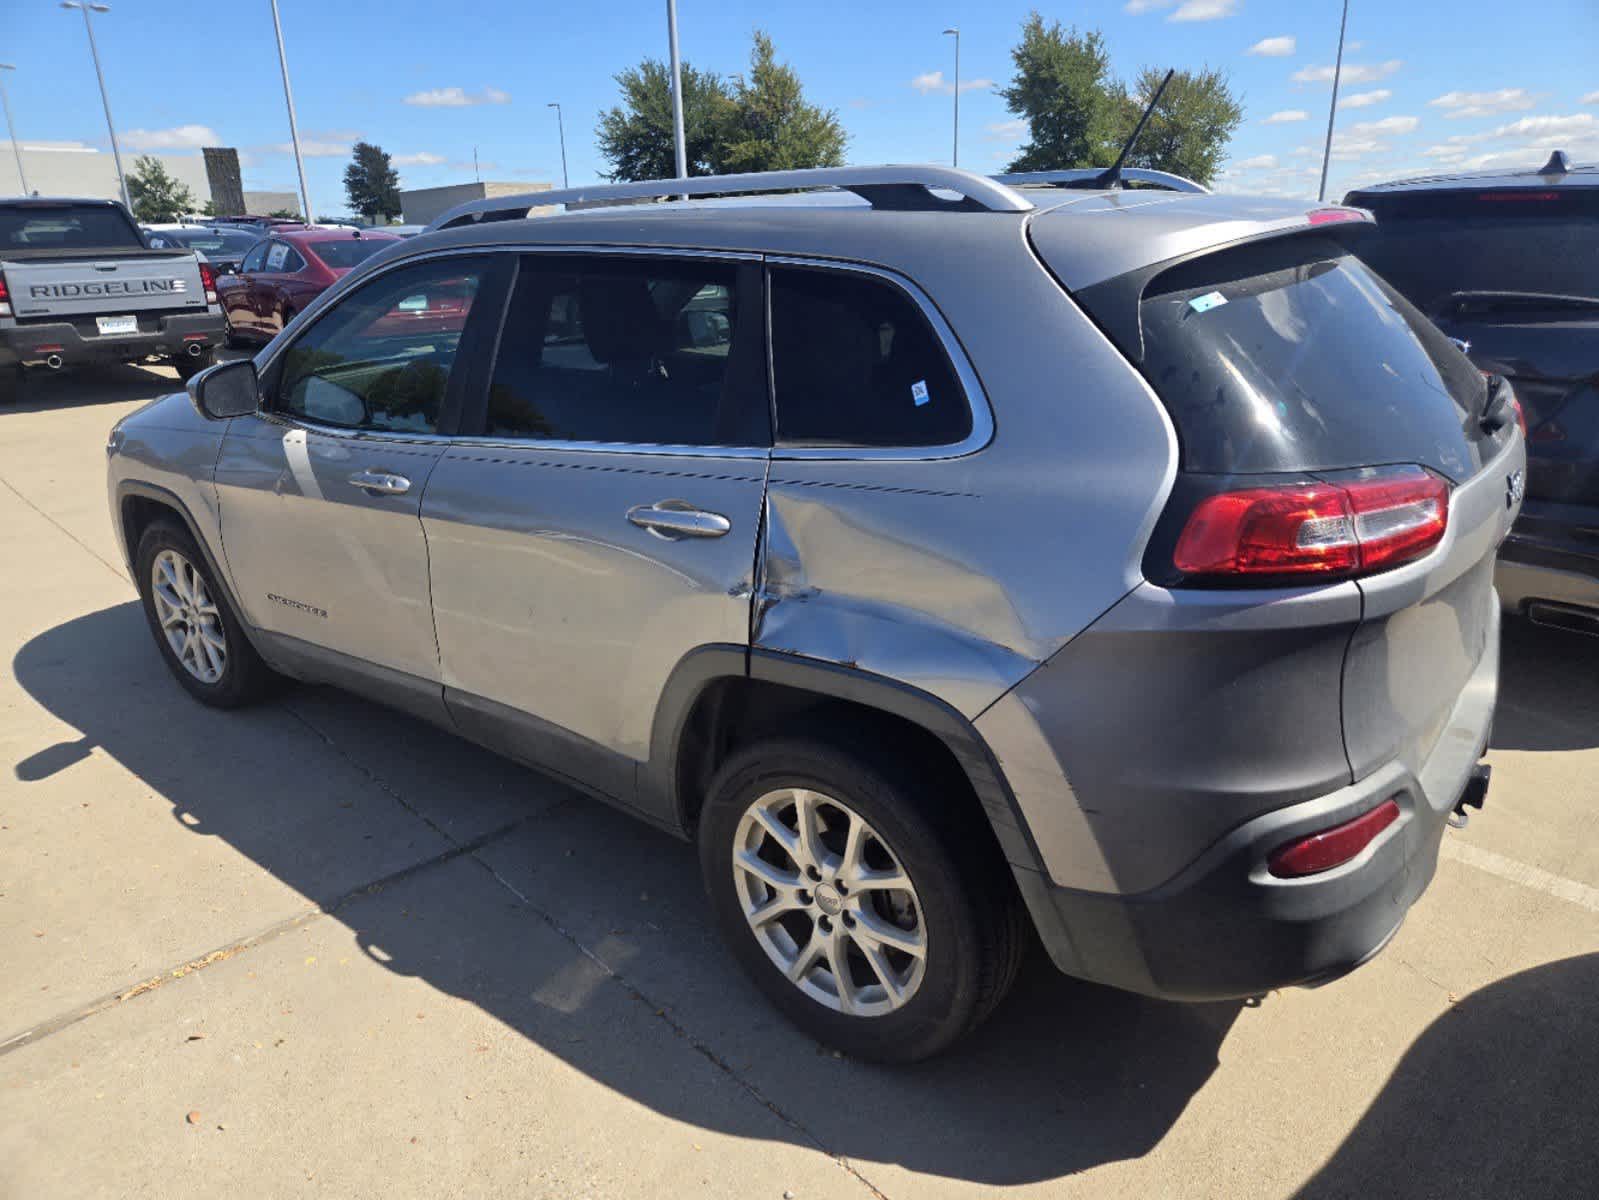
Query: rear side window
[[855, 363], [627, 351], [1292, 355], [1435, 246]]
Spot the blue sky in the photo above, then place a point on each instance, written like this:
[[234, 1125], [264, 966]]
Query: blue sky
[[1428, 83]]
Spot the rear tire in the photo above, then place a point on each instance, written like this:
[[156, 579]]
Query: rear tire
[[189, 365], [230, 339], [194, 626], [959, 908]]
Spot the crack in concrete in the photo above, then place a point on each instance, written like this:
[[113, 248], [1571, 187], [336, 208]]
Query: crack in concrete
[[82, 545]]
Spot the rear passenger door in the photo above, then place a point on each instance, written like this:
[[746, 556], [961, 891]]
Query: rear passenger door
[[601, 521]]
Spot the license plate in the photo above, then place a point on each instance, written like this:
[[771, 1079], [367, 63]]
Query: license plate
[[109, 325]]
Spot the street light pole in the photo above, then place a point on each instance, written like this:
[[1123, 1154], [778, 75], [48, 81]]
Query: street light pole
[[11, 128], [1332, 109], [294, 128], [677, 91], [561, 126], [955, 152], [122, 180]]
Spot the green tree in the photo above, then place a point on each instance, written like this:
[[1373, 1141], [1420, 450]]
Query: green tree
[[156, 194], [286, 213], [635, 136], [209, 209], [1064, 90], [770, 126], [371, 183], [1189, 132]]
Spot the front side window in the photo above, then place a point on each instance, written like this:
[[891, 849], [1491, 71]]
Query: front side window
[[381, 359], [855, 363], [607, 350], [254, 259]]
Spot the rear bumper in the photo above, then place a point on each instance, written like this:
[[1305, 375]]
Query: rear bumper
[[30, 344], [1226, 928]]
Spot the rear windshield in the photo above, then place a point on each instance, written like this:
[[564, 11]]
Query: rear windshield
[[1292, 355], [66, 227], [221, 243], [343, 255], [1434, 246]]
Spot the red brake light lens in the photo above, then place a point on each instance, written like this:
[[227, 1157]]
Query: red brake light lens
[[1324, 530], [1318, 852], [208, 282], [5, 297]]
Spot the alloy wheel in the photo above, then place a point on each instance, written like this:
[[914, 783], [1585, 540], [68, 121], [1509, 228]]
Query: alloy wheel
[[188, 616], [829, 902]]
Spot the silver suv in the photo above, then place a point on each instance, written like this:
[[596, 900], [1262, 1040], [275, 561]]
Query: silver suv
[[952, 558]]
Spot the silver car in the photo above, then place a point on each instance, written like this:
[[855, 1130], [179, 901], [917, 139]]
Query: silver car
[[955, 559]]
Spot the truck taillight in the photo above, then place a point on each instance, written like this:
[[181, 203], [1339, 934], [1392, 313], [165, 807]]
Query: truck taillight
[[208, 282], [1320, 529], [5, 297]]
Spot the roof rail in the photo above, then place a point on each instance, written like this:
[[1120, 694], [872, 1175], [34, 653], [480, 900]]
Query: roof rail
[[1088, 177], [907, 188]]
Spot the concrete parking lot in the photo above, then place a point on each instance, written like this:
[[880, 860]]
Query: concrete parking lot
[[319, 948]]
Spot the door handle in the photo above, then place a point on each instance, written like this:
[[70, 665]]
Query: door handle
[[381, 483], [673, 519]]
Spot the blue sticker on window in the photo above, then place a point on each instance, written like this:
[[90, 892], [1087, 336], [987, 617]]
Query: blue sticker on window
[[919, 392], [1207, 302]]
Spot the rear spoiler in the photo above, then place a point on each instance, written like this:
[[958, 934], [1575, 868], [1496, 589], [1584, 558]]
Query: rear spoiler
[[1114, 304]]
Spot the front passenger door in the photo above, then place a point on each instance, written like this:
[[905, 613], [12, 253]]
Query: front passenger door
[[320, 494]]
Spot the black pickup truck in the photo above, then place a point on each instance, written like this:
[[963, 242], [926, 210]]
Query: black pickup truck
[[79, 284]]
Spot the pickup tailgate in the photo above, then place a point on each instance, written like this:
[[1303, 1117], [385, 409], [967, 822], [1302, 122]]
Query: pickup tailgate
[[62, 288]]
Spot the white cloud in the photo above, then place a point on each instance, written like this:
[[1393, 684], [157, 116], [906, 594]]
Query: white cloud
[[1483, 104], [1353, 46], [1576, 126], [1007, 131], [1386, 125], [181, 137], [1258, 163], [1352, 73], [1346, 146], [1204, 10], [1138, 7], [934, 81], [1590, 98], [1274, 47], [420, 159], [454, 97], [1287, 116], [1364, 99]]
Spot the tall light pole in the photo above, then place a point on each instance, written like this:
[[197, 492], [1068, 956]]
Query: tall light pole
[[955, 151], [677, 91], [11, 128], [294, 128], [561, 126], [86, 8], [1332, 109]]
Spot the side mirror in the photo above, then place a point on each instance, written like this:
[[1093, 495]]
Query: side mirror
[[226, 390]]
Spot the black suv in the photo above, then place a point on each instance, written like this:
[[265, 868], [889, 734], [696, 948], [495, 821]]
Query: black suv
[[1508, 262]]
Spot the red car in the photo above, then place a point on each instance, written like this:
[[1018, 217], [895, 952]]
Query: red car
[[283, 273]]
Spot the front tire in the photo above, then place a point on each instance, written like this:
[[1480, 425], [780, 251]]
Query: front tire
[[848, 888], [195, 628]]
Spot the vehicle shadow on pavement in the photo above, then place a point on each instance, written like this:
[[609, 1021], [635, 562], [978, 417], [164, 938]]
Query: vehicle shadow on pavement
[[1496, 1098], [91, 386], [1066, 1076], [1548, 689]]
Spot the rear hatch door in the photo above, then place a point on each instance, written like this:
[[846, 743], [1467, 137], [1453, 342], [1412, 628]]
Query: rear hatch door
[[1283, 358]]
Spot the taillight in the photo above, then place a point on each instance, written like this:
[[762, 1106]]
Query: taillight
[[1318, 852], [5, 297], [208, 282], [1321, 529], [1521, 414]]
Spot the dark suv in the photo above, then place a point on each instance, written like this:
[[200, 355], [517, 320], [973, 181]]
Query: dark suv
[[1508, 263]]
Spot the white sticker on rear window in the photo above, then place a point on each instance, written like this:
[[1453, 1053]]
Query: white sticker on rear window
[[1207, 302], [919, 392]]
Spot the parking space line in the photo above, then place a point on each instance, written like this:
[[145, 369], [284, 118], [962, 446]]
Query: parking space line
[[1525, 874], [114, 569]]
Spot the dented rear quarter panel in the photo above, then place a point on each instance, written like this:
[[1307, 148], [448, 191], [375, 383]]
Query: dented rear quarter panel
[[959, 576]]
